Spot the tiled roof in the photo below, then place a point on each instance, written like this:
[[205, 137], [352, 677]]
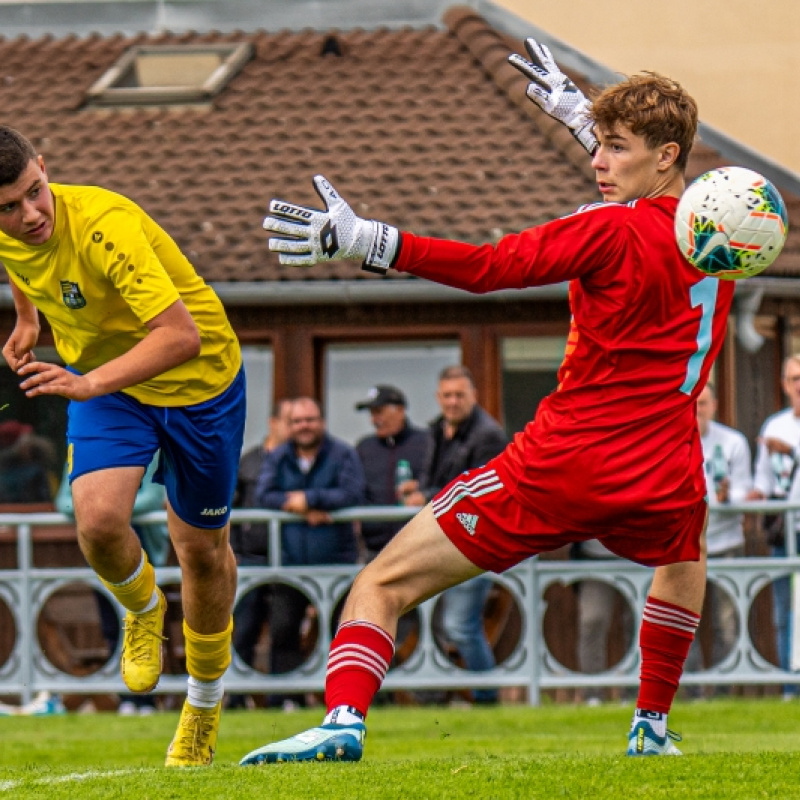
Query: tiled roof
[[428, 129]]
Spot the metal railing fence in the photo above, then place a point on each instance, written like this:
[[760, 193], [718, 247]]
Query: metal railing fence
[[26, 589]]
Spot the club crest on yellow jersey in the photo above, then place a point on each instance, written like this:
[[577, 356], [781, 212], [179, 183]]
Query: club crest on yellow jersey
[[71, 295]]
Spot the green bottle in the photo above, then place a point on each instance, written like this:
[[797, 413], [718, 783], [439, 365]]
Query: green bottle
[[402, 473]]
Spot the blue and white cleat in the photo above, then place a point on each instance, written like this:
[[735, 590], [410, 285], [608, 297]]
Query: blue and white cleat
[[329, 742], [643, 741]]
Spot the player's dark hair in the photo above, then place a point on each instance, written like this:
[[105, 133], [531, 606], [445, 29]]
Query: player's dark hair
[[652, 106], [15, 154]]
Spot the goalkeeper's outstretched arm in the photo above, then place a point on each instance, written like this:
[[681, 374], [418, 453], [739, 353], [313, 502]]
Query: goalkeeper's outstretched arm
[[305, 236]]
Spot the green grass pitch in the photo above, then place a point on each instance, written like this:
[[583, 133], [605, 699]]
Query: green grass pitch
[[734, 749]]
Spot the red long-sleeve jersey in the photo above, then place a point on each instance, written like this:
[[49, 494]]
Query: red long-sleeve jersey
[[619, 435]]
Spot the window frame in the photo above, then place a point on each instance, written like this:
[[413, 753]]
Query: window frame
[[103, 93]]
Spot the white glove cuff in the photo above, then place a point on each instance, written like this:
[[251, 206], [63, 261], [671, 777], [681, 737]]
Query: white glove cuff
[[581, 125], [382, 249], [586, 137]]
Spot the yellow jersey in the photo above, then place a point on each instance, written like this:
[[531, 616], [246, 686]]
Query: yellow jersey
[[107, 270]]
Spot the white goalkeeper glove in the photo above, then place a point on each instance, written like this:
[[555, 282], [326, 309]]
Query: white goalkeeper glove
[[330, 235], [555, 93]]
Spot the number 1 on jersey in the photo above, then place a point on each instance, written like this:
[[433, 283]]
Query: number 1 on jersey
[[703, 294]]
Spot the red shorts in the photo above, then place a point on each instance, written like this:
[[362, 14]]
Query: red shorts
[[495, 532]]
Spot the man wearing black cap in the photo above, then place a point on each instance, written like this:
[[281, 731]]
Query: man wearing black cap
[[395, 441]]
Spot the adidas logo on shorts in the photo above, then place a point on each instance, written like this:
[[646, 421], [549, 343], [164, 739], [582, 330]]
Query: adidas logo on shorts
[[469, 521]]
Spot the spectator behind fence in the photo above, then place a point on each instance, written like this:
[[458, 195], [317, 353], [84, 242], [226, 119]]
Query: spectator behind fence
[[311, 474], [776, 477], [596, 602], [154, 537], [396, 453], [250, 541], [729, 479], [394, 458], [27, 465], [464, 436]]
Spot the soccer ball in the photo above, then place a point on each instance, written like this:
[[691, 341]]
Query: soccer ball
[[731, 223]]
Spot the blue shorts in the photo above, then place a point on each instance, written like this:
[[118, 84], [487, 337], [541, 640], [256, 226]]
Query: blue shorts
[[200, 447]]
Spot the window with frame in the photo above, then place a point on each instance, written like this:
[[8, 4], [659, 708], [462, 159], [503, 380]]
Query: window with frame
[[169, 74], [259, 366], [530, 372]]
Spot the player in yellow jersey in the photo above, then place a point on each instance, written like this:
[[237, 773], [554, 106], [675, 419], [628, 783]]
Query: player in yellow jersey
[[152, 363]]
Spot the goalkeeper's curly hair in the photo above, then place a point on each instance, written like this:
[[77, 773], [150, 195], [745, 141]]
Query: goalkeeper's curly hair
[[652, 106]]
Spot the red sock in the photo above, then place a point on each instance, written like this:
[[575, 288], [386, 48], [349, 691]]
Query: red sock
[[664, 639], [357, 664]]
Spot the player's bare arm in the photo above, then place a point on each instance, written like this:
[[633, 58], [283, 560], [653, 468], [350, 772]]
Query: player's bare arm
[[173, 339], [18, 350]]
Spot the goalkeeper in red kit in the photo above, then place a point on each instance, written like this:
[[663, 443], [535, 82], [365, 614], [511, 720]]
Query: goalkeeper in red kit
[[614, 453]]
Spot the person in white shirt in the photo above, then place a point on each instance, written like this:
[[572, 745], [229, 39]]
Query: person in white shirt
[[729, 480], [776, 476]]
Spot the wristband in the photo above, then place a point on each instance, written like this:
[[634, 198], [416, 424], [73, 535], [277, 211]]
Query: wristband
[[384, 248]]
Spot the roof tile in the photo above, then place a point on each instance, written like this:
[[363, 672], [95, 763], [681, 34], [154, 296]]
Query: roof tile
[[427, 128]]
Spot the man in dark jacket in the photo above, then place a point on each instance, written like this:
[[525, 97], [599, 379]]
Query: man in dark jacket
[[312, 474], [396, 446], [465, 436]]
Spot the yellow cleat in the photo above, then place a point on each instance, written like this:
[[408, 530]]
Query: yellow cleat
[[196, 737], [141, 647]]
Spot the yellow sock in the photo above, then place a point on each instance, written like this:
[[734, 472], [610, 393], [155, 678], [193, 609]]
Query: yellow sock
[[207, 655], [137, 591]]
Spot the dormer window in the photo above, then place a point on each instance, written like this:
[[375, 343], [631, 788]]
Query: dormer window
[[169, 74]]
